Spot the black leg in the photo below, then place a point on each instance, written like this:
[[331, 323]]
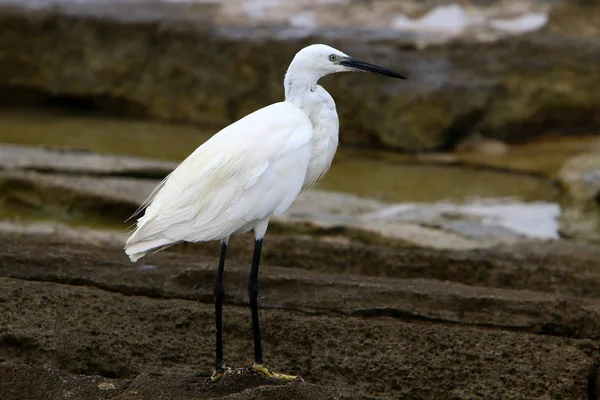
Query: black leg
[[253, 295], [219, 294]]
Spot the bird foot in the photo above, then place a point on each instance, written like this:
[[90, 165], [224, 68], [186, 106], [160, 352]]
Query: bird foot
[[219, 373], [260, 369], [223, 370]]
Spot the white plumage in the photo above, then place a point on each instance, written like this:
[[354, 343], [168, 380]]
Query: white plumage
[[247, 173], [254, 168]]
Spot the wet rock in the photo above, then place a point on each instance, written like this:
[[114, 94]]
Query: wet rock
[[579, 18], [122, 331], [80, 162], [362, 218], [109, 201], [479, 144], [491, 222], [579, 183], [71, 197], [151, 60]]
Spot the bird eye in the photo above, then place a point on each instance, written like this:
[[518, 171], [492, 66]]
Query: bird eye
[[333, 58]]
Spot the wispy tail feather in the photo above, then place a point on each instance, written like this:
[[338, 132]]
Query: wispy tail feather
[[136, 256], [137, 249]]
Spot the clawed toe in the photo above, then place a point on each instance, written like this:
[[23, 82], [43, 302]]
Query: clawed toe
[[219, 373], [261, 369], [255, 368]]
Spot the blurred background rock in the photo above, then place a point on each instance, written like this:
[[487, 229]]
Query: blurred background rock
[[500, 92]]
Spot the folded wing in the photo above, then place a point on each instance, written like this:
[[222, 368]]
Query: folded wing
[[247, 172]]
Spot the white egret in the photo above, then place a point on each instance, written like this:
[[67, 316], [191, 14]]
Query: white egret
[[249, 172]]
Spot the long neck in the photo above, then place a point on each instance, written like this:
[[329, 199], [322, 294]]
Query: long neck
[[298, 84], [301, 89]]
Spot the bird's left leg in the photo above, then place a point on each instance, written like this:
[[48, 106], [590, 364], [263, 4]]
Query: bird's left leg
[[253, 295], [220, 367]]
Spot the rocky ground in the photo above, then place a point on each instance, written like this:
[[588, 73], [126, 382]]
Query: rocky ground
[[392, 323], [356, 310]]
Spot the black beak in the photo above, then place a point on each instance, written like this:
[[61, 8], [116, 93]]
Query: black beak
[[357, 64]]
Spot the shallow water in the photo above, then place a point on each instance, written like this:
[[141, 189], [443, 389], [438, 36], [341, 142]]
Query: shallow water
[[100, 134], [402, 181], [382, 175], [499, 218]]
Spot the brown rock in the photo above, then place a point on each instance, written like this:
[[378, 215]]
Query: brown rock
[[85, 309], [18, 381], [579, 18], [479, 144], [182, 277], [91, 331], [579, 183], [73, 197]]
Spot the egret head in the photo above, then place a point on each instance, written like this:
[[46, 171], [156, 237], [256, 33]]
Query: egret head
[[318, 60]]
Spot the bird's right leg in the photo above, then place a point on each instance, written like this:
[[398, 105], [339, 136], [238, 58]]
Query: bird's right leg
[[220, 367], [258, 366]]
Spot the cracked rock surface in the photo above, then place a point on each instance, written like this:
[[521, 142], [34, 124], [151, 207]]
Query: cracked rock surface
[[468, 329]]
